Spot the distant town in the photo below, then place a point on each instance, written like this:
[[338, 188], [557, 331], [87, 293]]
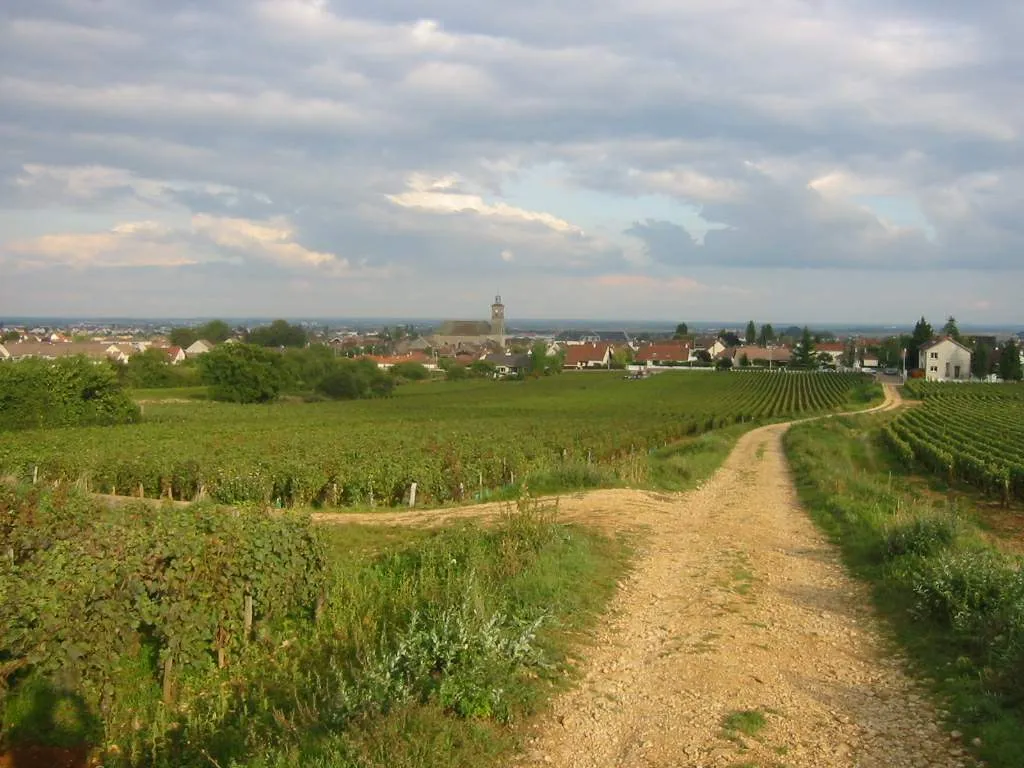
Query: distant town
[[504, 350]]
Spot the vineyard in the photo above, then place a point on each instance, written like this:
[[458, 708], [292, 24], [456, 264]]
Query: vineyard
[[971, 433], [456, 441]]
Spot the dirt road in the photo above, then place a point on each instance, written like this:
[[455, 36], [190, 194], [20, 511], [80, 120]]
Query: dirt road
[[738, 604]]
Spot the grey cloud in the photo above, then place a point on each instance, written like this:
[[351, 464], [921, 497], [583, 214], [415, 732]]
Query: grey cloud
[[319, 120]]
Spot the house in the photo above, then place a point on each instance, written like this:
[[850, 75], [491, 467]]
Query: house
[[386, 362], [47, 351], [869, 362], [666, 353], [588, 355], [175, 355], [4, 354], [945, 359], [833, 349], [200, 347], [765, 356], [509, 364], [716, 348]]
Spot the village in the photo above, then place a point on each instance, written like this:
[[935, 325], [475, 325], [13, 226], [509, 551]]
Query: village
[[492, 348]]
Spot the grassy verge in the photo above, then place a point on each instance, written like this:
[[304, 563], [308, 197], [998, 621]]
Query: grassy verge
[[430, 648], [170, 393], [955, 602]]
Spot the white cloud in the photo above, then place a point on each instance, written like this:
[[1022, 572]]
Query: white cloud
[[443, 196]]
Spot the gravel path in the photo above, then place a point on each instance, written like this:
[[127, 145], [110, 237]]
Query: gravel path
[[738, 604]]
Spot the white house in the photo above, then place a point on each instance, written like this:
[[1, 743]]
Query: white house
[[4, 354], [945, 359], [200, 347]]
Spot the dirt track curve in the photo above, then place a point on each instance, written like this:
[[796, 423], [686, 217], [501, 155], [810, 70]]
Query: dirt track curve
[[736, 602]]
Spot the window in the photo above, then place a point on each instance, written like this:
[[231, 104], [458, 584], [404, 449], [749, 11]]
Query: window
[[934, 355], [933, 368]]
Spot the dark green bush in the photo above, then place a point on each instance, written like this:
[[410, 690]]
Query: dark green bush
[[62, 393]]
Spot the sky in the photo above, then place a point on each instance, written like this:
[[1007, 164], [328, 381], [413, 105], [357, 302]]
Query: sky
[[782, 160]]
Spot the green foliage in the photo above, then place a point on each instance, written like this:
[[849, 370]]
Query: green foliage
[[723, 364], [971, 433], [1009, 362], [355, 380], [183, 337], [543, 364], [410, 371], [955, 602], [981, 360], [766, 335], [950, 329], [280, 333], [682, 331], [751, 333], [456, 440], [803, 353], [243, 373], [216, 331], [152, 370], [459, 633], [454, 371], [922, 334], [9, 336], [89, 587], [60, 393]]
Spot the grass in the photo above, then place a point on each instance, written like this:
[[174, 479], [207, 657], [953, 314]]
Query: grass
[[748, 722], [170, 393], [953, 600]]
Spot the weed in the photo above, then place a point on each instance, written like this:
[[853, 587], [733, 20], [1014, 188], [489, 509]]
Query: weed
[[748, 722]]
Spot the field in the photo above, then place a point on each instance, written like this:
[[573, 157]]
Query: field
[[970, 433], [457, 441]]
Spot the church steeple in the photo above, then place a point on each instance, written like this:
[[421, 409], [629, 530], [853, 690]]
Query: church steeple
[[498, 318]]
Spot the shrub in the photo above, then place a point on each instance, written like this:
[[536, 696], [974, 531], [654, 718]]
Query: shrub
[[921, 536], [61, 393]]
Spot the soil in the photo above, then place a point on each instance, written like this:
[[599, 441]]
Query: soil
[[736, 603]]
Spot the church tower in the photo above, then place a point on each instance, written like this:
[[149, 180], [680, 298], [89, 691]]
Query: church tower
[[498, 319]]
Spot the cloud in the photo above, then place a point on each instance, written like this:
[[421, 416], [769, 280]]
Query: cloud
[[410, 143], [207, 239], [445, 196]]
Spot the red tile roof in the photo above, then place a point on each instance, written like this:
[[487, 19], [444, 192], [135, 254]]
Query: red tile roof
[[584, 354], [666, 353]]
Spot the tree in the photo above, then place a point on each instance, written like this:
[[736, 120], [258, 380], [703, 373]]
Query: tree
[[1009, 362], [279, 333], [950, 329], [10, 336], [410, 370], [182, 337], [541, 363], [766, 336], [922, 334], [151, 369], [849, 353], [723, 364], [751, 334], [981, 361], [682, 331], [703, 356], [744, 361], [216, 331], [803, 354], [482, 368], [622, 356], [243, 373], [730, 339]]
